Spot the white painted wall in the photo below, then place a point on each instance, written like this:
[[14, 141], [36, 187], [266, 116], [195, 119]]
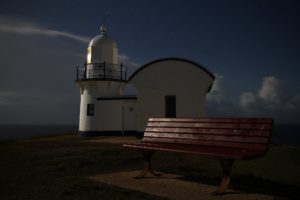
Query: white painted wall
[[101, 88], [108, 114], [170, 77]]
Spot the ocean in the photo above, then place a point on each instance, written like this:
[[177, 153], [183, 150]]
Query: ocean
[[27, 131], [286, 134], [281, 134]]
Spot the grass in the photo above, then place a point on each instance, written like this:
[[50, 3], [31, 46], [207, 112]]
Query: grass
[[277, 173], [55, 167]]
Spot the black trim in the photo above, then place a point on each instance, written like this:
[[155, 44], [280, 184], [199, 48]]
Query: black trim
[[139, 135], [107, 133], [95, 79], [117, 98], [176, 59], [101, 71]]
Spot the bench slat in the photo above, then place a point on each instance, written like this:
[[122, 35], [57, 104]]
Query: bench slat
[[209, 131], [221, 136], [241, 126], [218, 120], [229, 138], [207, 143], [204, 150], [198, 137]]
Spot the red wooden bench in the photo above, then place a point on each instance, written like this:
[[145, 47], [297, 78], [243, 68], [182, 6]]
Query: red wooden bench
[[227, 139]]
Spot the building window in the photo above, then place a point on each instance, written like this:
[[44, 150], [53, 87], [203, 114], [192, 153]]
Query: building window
[[90, 109], [131, 109], [170, 106]]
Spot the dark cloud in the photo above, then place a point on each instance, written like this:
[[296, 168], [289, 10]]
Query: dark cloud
[[272, 99], [37, 72]]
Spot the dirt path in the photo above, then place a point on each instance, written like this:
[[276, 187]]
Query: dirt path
[[172, 187]]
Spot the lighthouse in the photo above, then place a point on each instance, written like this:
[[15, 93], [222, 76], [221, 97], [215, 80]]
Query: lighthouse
[[101, 81]]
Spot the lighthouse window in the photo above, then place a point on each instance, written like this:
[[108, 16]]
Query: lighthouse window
[[89, 56], [90, 109]]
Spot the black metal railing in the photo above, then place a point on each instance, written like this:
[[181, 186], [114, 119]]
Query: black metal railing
[[101, 71]]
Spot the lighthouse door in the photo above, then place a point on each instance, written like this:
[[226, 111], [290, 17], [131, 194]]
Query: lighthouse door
[[129, 116], [170, 106]]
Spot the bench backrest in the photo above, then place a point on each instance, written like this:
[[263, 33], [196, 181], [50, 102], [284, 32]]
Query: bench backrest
[[244, 133]]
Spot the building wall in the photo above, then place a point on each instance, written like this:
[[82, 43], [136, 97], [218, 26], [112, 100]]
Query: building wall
[[107, 113], [171, 77]]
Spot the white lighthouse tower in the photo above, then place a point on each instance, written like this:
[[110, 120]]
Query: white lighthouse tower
[[101, 81]]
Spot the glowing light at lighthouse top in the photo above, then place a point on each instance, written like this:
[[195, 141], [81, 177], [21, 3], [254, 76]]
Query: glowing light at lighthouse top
[[102, 49]]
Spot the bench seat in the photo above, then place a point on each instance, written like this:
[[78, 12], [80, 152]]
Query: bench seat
[[241, 154], [227, 139]]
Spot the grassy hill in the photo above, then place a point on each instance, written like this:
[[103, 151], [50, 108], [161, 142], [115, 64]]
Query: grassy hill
[[56, 167]]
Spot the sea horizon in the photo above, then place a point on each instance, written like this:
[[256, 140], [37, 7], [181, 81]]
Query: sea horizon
[[281, 134], [25, 131]]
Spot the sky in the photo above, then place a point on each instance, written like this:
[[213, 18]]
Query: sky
[[252, 47]]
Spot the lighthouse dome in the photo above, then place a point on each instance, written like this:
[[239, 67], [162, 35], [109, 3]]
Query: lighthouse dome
[[102, 39], [102, 49]]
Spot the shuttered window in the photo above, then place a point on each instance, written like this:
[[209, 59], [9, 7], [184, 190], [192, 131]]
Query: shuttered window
[[90, 109]]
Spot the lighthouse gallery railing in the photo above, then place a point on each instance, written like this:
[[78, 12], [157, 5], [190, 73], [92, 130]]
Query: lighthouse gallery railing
[[101, 71]]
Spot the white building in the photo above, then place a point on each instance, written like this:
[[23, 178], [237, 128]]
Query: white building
[[169, 87]]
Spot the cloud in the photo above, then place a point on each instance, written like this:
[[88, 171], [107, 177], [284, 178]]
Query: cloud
[[247, 100], [271, 91], [127, 61], [25, 28], [37, 73], [293, 104], [216, 93], [8, 98], [39, 107], [217, 100], [272, 99], [269, 96]]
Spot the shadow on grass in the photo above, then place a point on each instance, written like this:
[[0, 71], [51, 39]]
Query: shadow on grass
[[252, 184]]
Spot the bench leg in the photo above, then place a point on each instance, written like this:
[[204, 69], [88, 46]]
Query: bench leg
[[147, 155], [226, 168]]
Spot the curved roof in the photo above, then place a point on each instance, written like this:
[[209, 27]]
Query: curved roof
[[99, 40], [172, 58]]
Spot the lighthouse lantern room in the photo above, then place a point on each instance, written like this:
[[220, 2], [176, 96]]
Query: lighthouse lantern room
[[101, 81]]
